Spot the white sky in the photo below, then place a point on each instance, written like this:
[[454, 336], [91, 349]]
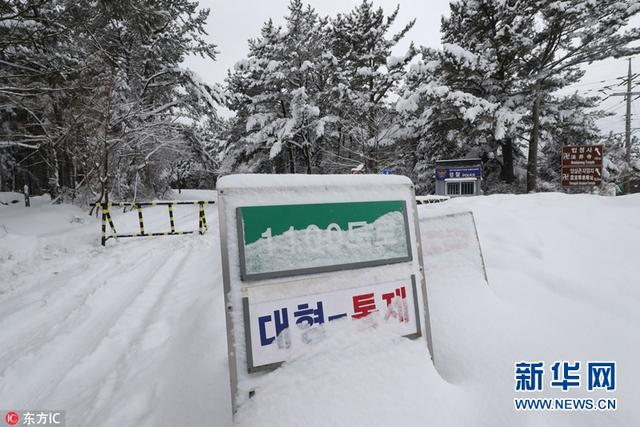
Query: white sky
[[232, 23]]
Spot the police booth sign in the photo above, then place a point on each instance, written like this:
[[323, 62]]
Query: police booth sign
[[301, 254]]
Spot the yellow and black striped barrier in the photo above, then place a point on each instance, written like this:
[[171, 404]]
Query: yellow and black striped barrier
[[106, 218]]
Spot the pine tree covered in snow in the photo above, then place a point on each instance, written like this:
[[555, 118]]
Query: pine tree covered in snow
[[94, 98], [36, 64], [367, 75], [499, 63], [566, 120], [277, 93], [313, 96], [615, 167], [117, 100], [466, 98], [570, 33]]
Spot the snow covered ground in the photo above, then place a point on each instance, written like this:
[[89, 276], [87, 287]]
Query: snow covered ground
[[130, 334], [134, 333]]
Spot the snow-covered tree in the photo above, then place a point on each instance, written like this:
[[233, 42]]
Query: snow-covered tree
[[315, 94], [499, 62], [277, 92], [570, 33], [101, 96], [566, 120], [466, 98], [36, 65], [367, 75], [616, 171]]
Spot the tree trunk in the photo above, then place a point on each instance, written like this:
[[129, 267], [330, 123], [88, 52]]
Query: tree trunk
[[292, 163], [68, 163], [104, 178], [27, 201], [278, 163], [532, 162], [307, 159], [53, 172], [507, 161]]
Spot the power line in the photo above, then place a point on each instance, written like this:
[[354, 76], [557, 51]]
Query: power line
[[597, 91], [600, 91], [615, 106], [595, 82]]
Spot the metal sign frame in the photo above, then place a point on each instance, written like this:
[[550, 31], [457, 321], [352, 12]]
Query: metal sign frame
[[231, 311]]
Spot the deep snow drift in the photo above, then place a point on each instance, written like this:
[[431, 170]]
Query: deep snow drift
[[134, 334]]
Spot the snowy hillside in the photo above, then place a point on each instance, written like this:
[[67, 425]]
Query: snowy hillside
[[134, 333]]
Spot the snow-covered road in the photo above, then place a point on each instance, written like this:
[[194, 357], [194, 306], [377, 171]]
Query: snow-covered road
[[116, 335]]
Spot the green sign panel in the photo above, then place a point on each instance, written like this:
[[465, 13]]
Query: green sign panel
[[287, 240]]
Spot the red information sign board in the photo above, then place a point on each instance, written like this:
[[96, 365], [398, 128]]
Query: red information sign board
[[582, 165]]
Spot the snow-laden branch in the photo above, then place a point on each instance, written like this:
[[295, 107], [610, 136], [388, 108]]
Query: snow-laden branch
[[21, 144]]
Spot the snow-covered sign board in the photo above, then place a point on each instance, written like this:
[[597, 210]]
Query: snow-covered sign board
[[582, 165], [287, 240], [452, 248], [303, 254], [279, 327]]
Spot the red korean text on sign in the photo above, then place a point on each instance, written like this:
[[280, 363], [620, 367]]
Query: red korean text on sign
[[363, 305], [397, 304]]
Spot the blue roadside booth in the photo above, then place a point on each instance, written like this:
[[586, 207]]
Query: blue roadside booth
[[458, 177]]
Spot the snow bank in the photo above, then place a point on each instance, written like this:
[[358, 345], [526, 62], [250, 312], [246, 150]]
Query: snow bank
[[562, 273], [10, 197]]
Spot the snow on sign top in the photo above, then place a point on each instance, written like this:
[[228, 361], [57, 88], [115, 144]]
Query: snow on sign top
[[299, 180]]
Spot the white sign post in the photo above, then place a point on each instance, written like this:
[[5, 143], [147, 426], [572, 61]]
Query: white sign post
[[303, 253]]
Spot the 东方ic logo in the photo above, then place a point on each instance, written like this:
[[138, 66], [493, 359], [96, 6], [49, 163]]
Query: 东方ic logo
[[12, 418]]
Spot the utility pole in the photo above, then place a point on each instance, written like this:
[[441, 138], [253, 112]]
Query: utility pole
[[627, 136]]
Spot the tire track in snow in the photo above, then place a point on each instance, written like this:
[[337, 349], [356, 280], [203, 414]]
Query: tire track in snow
[[65, 300], [95, 377], [192, 361], [30, 379], [29, 276]]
